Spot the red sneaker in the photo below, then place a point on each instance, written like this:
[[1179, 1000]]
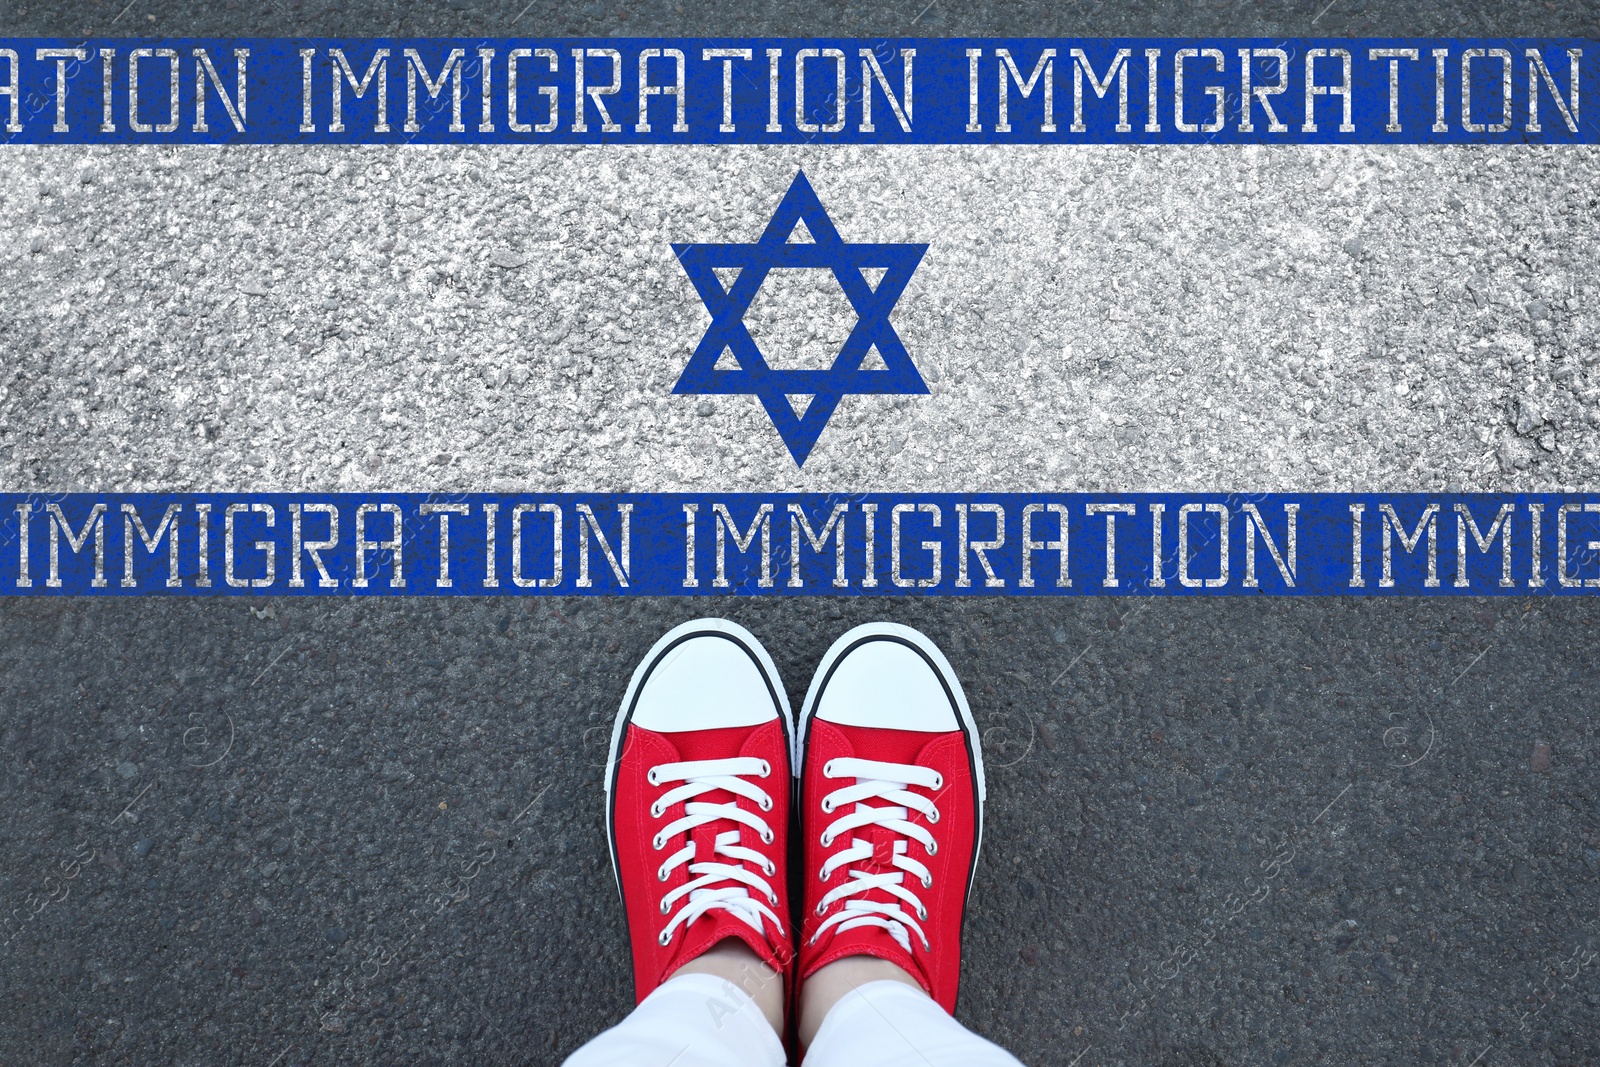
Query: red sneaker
[[891, 807], [697, 797]]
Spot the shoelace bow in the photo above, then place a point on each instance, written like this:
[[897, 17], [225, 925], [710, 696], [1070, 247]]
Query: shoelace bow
[[708, 889], [889, 782]]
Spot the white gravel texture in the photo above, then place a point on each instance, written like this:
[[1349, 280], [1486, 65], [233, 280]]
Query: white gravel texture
[[1087, 318]]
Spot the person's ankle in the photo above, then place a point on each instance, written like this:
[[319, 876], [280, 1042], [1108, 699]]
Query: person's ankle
[[830, 983], [734, 961]]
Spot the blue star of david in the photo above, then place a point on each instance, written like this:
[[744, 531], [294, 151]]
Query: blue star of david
[[774, 386]]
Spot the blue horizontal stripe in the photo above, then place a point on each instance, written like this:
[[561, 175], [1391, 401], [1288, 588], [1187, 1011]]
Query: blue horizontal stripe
[[961, 91], [412, 544]]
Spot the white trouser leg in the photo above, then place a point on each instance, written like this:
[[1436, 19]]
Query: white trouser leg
[[693, 1020], [889, 1024]]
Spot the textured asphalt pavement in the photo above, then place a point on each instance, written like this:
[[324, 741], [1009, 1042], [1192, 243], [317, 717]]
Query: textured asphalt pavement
[[1229, 832], [801, 18], [1225, 832]]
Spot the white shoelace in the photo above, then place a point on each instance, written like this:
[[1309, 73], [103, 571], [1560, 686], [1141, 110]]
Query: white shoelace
[[709, 890], [890, 782]]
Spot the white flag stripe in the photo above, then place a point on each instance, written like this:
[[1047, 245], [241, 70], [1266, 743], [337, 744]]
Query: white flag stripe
[[1162, 319]]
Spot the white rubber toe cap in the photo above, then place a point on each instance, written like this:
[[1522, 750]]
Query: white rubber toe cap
[[706, 681], [886, 684]]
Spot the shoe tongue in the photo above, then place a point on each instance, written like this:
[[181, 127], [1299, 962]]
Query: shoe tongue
[[884, 746], [882, 840], [705, 842], [708, 745], [882, 847]]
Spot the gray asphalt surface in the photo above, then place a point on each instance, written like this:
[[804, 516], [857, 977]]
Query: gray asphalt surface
[[1240, 832], [800, 18], [1220, 833]]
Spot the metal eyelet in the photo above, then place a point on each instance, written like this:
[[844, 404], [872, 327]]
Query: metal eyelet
[[922, 913], [827, 806], [658, 843], [827, 769], [765, 803], [656, 810], [927, 883], [663, 907], [772, 898], [664, 940], [938, 781], [933, 848], [661, 875], [767, 837], [821, 911], [933, 816], [766, 768], [651, 777], [827, 841], [822, 876]]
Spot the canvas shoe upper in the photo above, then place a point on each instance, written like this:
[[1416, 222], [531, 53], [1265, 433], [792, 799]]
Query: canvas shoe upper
[[698, 794], [891, 807]]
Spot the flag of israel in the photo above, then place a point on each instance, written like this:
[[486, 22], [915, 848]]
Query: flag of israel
[[1044, 316]]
